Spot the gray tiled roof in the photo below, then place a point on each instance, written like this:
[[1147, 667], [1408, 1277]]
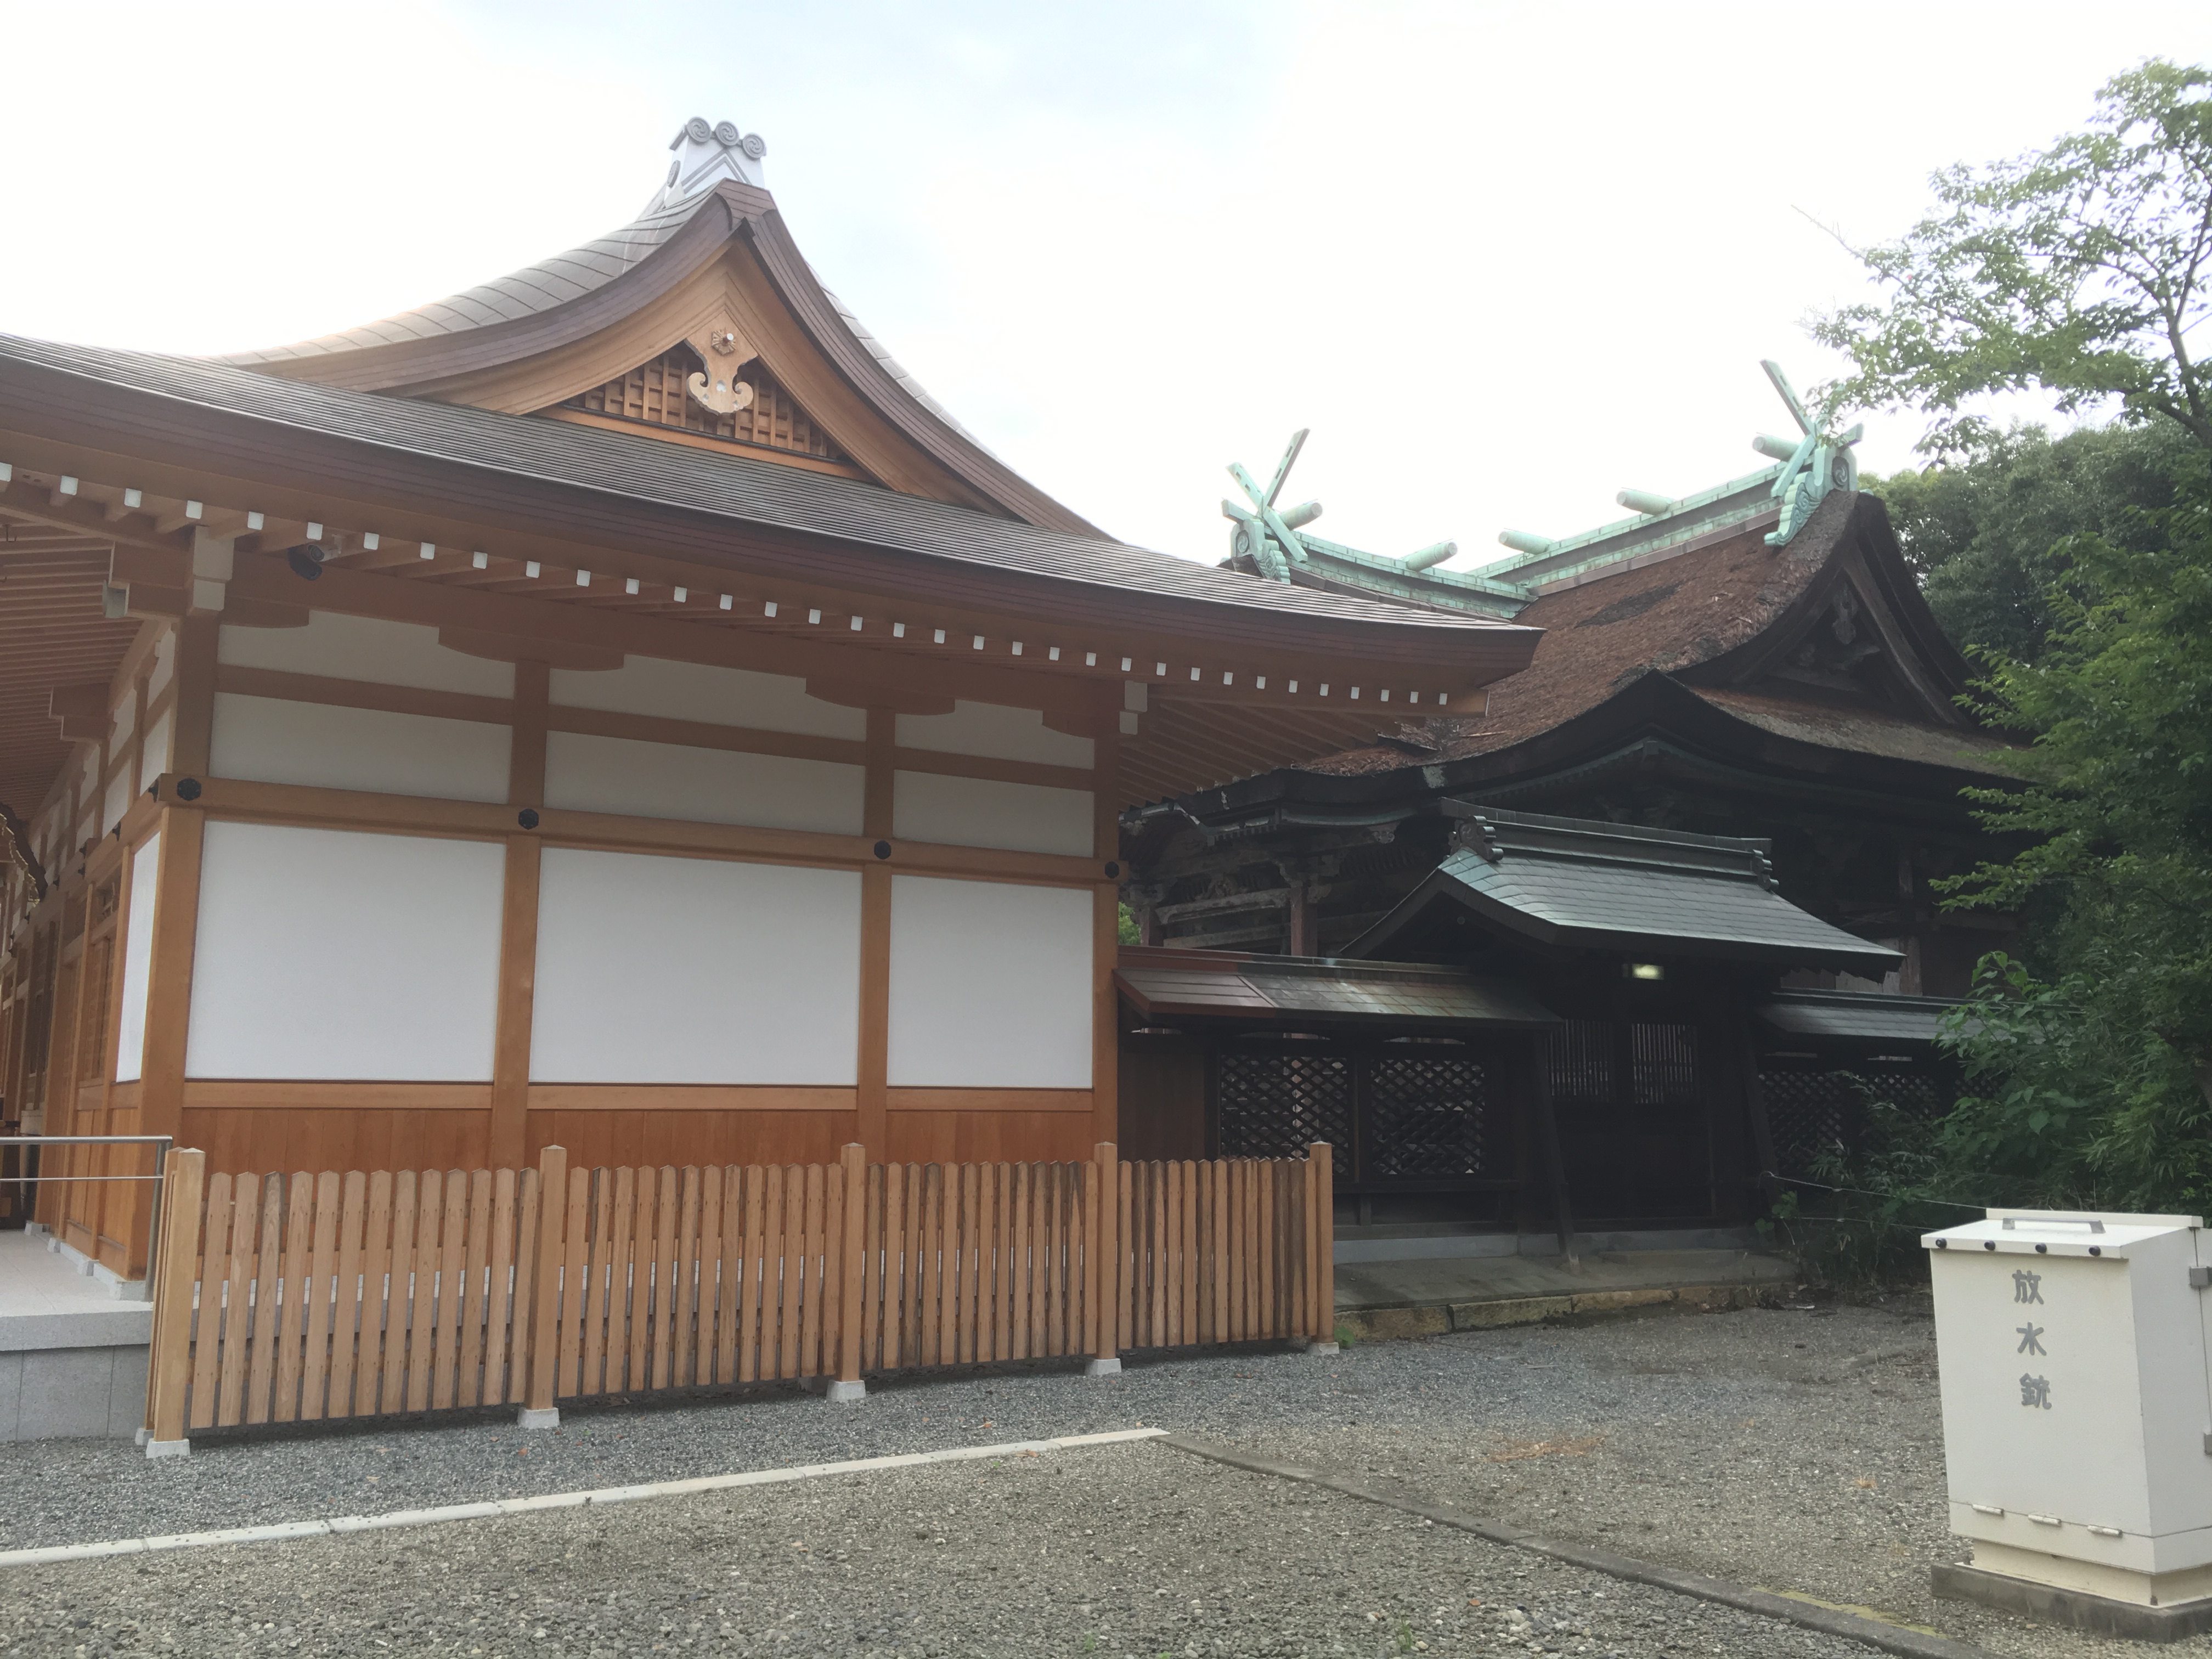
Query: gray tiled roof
[[523, 293], [737, 487], [555, 281], [1220, 985], [1578, 882], [1866, 1016]]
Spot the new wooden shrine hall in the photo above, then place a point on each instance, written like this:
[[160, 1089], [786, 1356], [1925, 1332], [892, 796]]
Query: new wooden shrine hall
[[613, 705]]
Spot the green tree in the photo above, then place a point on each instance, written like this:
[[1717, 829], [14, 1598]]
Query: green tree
[[2080, 269], [1984, 528]]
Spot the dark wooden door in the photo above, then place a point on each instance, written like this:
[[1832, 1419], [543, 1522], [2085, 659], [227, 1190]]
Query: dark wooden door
[[1635, 1130]]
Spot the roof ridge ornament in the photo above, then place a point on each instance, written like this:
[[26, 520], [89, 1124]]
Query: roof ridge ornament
[[1819, 462], [1268, 539], [705, 155]]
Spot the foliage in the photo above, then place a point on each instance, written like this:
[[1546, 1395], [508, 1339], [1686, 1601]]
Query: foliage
[[1983, 530], [2081, 268], [1130, 933], [1856, 1221]]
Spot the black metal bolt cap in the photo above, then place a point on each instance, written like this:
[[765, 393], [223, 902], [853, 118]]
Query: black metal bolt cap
[[1113, 871], [188, 788], [882, 849], [527, 818]]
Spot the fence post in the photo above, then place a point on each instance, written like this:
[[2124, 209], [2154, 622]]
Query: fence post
[[1321, 1244], [853, 1160], [169, 1367], [1106, 1280], [538, 1411]]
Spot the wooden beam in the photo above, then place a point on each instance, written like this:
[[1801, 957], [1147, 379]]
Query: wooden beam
[[873, 1071]]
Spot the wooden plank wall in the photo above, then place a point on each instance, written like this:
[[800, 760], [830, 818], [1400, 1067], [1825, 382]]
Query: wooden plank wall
[[309, 1297]]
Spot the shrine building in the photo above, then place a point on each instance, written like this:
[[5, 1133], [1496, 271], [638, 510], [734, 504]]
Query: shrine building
[[613, 705]]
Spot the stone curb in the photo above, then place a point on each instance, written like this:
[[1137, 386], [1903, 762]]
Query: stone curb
[[336, 1525], [1441, 1319], [1890, 1638]]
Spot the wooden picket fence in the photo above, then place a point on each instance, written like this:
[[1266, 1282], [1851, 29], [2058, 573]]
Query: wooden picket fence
[[299, 1299]]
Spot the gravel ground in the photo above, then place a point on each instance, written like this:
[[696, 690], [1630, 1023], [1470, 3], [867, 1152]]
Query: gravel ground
[[1126, 1552], [1797, 1451]]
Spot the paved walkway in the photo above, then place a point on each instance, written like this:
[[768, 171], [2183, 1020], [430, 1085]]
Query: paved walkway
[[45, 1303]]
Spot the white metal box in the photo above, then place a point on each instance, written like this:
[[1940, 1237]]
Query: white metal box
[[2077, 1400]]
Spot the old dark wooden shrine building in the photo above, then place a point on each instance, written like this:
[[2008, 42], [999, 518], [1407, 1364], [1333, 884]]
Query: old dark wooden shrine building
[[1676, 875]]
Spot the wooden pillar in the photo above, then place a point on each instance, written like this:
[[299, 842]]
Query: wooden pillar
[[507, 1146], [538, 1411], [169, 1363], [1106, 1285], [196, 638], [169, 974], [1106, 935], [853, 1163], [1762, 1127], [508, 1141], [1320, 1237], [871, 1128], [1547, 1149]]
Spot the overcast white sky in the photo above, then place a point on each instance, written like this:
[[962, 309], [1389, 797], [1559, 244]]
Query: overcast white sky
[[1503, 259]]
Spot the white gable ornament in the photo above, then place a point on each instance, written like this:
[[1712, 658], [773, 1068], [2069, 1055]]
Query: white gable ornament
[[706, 156]]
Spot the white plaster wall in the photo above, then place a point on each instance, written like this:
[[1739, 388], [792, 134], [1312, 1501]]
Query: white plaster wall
[[996, 731], [137, 959], [154, 760], [1021, 817], [117, 800], [586, 773], [694, 691], [268, 740], [695, 970], [990, 985], [342, 647], [331, 954]]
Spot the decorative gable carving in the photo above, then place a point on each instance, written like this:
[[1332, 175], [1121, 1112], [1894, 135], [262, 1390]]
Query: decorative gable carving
[[716, 395]]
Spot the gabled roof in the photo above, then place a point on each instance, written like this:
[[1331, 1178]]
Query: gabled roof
[[1262, 990], [1687, 661], [1574, 883], [721, 259]]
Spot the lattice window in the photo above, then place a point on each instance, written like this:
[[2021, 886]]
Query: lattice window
[[654, 392], [1425, 1118], [1817, 1117], [1582, 1061], [92, 1025], [1662, 1065], [1275, 1105]]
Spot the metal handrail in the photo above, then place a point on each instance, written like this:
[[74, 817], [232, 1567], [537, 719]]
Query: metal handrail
[[162, 1146]]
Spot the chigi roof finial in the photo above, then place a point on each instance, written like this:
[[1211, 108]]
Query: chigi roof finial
[[705, 155]]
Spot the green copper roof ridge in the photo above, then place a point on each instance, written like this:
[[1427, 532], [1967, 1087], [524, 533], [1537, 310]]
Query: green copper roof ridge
[[1673, 525]]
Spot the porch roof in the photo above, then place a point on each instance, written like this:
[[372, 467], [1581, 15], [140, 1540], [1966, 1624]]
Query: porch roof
[[1857, 1016], [1583, 884], [1164, 983]]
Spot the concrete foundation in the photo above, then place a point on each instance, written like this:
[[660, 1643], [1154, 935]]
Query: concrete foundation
[[1103, 1368], [531, 1418], [2048, 1604], [73, 1351]]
